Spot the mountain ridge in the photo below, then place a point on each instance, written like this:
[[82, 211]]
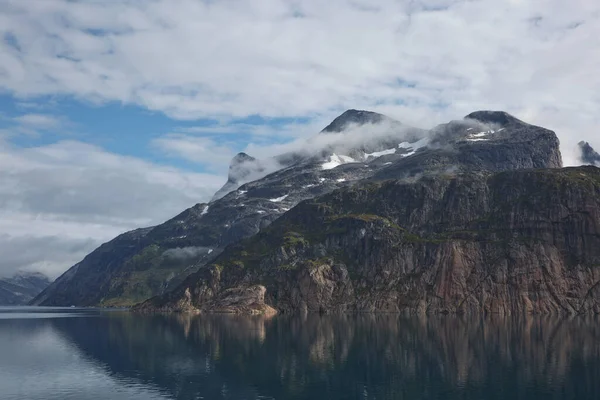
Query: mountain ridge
[[22, 288]]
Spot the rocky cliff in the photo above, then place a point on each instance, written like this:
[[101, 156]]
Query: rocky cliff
[[358, 147], [525, 241]]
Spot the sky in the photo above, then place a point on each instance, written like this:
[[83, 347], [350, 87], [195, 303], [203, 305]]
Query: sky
[[120, 114]]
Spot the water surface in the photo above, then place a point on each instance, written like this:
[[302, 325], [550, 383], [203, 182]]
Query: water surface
[[88, 354]]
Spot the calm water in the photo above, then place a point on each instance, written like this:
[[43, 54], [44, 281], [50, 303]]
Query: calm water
[[86, 354]]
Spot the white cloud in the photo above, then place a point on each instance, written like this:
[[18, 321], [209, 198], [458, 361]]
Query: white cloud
[[34, 124], [200, 150], [352, 137], [267, 130], [424, 61], [213, 146], [38, 121], [58, 202]]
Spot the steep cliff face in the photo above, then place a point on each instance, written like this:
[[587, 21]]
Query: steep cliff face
[[151, 261], [512, 242]]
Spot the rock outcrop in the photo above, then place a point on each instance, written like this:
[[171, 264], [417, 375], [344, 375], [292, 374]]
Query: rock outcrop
[[524, 241]]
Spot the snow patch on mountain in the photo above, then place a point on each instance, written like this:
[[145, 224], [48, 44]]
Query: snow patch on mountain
[[380, 153], [337, 160], [480, 136], [278, 199]]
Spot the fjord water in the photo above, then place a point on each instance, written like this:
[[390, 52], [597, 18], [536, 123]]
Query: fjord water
[[89, 354]]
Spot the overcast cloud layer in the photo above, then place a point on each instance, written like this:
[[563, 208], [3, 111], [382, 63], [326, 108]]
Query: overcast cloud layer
[[421, 62], [59, 202]]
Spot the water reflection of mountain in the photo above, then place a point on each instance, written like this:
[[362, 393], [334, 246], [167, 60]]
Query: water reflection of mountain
[[351, 356]]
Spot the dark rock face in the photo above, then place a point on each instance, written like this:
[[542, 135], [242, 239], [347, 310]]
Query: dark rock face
[[353, 117], [152, 261], [510, 242], [21, 288], [494, 117], [588, 154]]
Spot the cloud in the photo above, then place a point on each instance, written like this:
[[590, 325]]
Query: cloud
[[354, 136], [34, 123], [183, 253], [38, 121], [200, 150], [48, 254], [214, 146], [59, 201], [424, 62]]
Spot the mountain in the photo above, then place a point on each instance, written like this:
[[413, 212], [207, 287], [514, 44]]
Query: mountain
[[521, 241], [152, 261], [588, 154], [21, 288]]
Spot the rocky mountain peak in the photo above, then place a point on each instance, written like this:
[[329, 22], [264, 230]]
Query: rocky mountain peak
[[242, 168], [358, 117], [240, 158], [588, 154], [494, 117]]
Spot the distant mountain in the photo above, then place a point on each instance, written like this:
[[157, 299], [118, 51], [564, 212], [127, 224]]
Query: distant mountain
[[22, 288], [588, 154]]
